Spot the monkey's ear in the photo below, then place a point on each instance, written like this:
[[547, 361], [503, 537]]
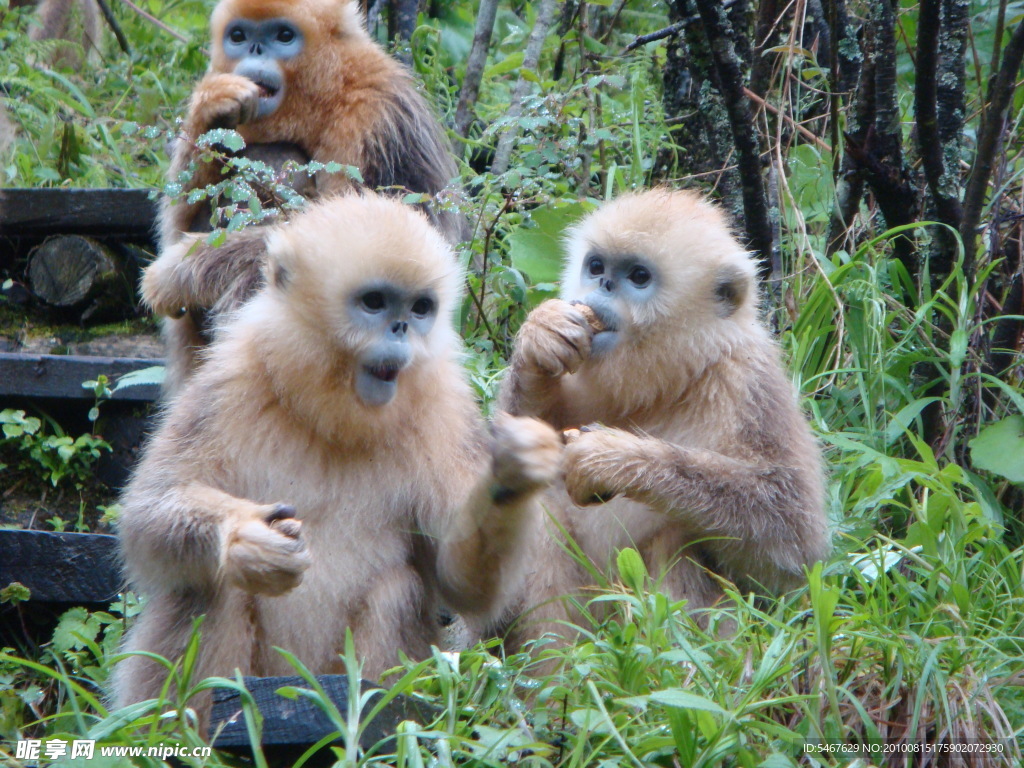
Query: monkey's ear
[[732, 285], [280, 276], [277, 268]]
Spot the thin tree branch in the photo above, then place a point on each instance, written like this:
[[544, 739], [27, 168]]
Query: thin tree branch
[[108, 16], [155, 21], [1000, 93], [545, 16], [947, 207], [482, 32], [730, 77]]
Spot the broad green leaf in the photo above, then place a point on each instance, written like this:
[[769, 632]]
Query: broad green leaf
[[999, 448]]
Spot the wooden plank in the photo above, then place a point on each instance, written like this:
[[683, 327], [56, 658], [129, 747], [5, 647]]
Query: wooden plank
[[76, 568], [62, 376], [290, 727], [123, 214]]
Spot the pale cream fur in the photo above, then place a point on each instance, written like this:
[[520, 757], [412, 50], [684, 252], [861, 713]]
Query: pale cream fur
[[402, 507], [696, 438]]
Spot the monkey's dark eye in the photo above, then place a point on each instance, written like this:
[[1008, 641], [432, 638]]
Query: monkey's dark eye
[[423, 306], [237, 35], [285, 35], [595, 267], [639, 276], [373, 301]]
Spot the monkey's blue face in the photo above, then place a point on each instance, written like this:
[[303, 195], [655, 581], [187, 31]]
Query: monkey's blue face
[[259, 47], [616, 284], [394, 321]]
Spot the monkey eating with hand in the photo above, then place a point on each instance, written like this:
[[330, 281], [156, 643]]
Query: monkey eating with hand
[[298, 80], [696, 448], [327, 468]]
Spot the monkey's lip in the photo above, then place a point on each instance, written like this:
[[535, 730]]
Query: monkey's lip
[[384, 371]]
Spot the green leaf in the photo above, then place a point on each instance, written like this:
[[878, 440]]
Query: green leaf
[[632, 570], [154, 374], [15, 593], [538, 251], [999, 448], [677, 697], [510, 62]]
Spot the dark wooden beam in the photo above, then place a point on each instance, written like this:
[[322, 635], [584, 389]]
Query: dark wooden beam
[[290, 726], [62, 376], [66, 568], [121, 214]]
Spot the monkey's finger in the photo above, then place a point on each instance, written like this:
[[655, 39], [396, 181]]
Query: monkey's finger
[[280, 512], [288, 527]]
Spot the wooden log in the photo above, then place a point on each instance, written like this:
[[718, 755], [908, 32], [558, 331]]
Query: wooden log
[[290, 726], [61, 376], [120, 214], [66, 568], [81, 275]]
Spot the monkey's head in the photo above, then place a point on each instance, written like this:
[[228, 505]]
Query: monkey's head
[[371, 280], [660, 270], [280, 44]]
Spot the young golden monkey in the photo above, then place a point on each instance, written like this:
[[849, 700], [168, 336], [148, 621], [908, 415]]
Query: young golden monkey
[[698, 447], [326, 468], [302, 80]]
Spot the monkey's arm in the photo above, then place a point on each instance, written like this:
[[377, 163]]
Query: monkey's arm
[[480, 554], [193, 536], [219, 100], [764, 521], [192, 274], [553, 342]]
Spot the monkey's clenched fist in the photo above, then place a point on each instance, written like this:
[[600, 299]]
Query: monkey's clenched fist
[[526, 454], [222, 100], [265, 553], [554, 340], [601, 463]]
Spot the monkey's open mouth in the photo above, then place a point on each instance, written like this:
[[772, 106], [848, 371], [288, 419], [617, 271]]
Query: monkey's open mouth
[[267, 91], [384, 371]]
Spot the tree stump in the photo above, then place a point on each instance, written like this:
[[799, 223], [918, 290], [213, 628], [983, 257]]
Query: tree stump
[[82, 276]]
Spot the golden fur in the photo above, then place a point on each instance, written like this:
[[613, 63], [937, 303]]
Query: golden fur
[[345, 101], [399, 507], [697, 438]]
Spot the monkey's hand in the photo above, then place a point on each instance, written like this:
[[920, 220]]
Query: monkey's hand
[[161, 288], [601, 463], [554, 340], [525, 457], [221, 100], [265, 553]]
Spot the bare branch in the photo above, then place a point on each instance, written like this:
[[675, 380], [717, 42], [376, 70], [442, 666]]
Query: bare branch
[[730, 77], [545, 15], [485, 17], [1000, 92]]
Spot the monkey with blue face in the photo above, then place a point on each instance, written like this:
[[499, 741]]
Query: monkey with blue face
[[298, 80], [685, 437], [327, 469]]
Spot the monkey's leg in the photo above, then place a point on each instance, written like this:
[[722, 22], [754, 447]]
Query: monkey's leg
[[393, 617], [479, 558], [759, 520], [193, 275]]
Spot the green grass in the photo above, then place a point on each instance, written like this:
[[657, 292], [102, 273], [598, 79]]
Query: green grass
[[911, 633]]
